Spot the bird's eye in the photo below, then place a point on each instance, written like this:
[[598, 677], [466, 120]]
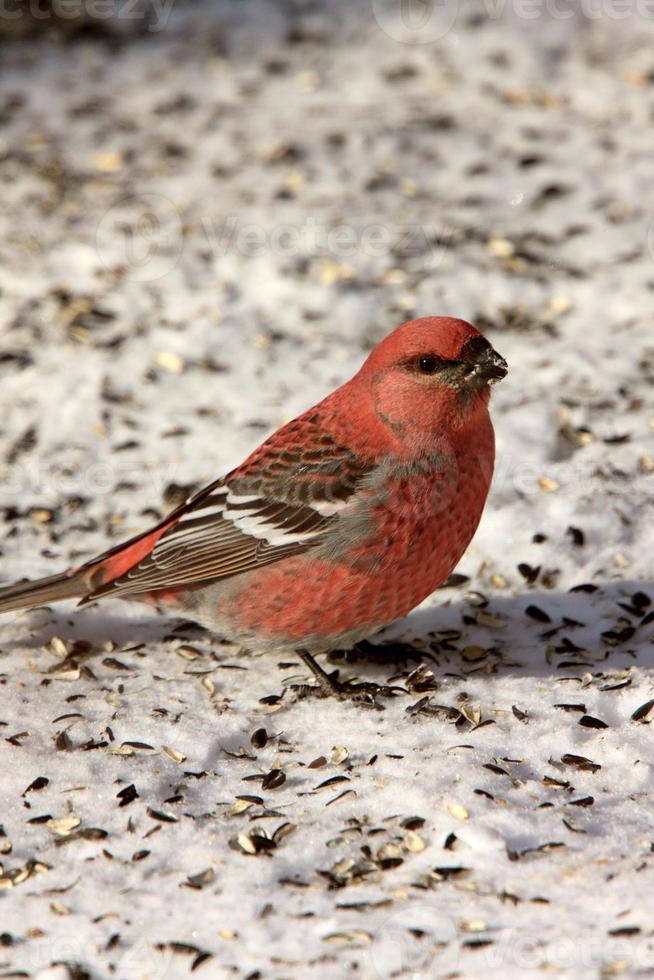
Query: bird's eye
[[428, 364]]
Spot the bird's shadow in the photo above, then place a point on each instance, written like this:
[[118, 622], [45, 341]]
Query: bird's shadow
[[539, 632], [96, 625]]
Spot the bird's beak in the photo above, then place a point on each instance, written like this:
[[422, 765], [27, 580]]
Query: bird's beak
[[490, 367]]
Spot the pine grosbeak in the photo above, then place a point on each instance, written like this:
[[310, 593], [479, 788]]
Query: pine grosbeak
[[339, 523]]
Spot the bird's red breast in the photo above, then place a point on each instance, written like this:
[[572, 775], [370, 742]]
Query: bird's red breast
[[415, 526]]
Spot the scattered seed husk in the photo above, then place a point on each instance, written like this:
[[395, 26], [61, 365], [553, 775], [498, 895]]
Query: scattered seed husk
[[127, 795], [259, 738], [331, 781], [580, 762], [188, 652], [58, 647], [412, 823], [413, 842], [529, 572], [642, 712], [71, 674], [490, 619], [471, 713], [535, 612], [254, 843], [555, 783], [201, 879], [37, 784], [473, 654], [389, 852], [588, 721], [63, 826], [569, 824], [161, 816], [472, 925], [625, 931], [349, 937], [11, 877], [284, 830], [577, 535], [445, 872], [273, 779], [208, 685], [340, 796], [240, 806], [171, 362], [534, 851]]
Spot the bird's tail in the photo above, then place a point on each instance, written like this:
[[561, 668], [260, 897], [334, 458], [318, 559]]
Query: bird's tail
[[87, 581], [21, 595]]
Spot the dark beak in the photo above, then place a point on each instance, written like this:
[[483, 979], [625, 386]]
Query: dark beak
[[490, 367]]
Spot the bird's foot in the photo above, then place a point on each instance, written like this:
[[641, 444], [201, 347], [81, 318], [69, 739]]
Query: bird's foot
[[329, 686]]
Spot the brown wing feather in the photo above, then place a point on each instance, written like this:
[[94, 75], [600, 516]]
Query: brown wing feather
[[232, 527]]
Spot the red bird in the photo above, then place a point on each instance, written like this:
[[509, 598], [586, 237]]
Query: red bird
[[339, 523]]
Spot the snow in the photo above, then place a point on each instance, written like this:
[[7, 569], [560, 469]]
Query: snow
[[178, 278]]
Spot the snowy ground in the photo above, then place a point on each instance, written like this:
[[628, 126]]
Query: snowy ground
[[203, 229]]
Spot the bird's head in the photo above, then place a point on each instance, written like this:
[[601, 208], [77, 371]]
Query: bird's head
[[431, 375]]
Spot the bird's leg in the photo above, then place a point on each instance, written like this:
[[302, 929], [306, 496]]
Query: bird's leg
[[363, 693], [329, 687]]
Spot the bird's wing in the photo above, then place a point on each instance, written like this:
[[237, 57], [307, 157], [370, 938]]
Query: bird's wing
[[282, 501]]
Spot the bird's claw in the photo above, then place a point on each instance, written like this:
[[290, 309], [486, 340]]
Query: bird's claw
[[329, 686]]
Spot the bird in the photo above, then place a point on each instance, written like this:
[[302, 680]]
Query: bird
[[338, 524]]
